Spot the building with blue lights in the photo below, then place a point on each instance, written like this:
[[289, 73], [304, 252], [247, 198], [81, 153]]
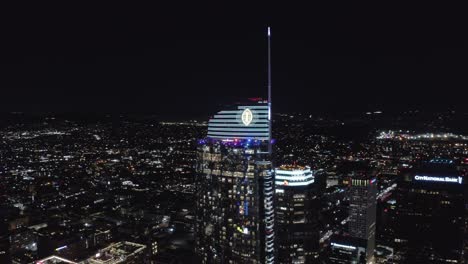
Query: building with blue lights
[[297, 207], [235, 187]]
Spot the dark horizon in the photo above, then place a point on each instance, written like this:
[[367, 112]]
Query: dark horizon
[[125, 61]]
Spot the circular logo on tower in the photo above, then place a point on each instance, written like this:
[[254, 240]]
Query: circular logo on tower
[[247, 117]]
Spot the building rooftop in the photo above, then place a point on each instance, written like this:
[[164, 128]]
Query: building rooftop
[[293, 175], [290, 167], [55, 260], [347, 242], [116, 253], [250, 121]]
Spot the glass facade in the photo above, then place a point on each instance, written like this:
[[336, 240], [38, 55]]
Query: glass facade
[[358, 244], [235, 187], [362, 210], [430, 215], [297, 209]]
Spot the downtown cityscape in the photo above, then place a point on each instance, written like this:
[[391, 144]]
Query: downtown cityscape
[[244, 170], [128, 191]]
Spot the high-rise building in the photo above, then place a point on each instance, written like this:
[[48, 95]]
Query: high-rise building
[[235, 186], [362, 209], [430, 212], [362, 216], [296, 207]]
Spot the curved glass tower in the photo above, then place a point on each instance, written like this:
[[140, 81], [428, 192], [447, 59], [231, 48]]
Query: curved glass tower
[[296, 205], [235, 186]]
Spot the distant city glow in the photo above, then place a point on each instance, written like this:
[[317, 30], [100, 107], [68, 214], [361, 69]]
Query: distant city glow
[[425, 136]]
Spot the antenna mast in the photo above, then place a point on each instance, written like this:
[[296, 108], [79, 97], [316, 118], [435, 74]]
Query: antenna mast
[[269, 93]]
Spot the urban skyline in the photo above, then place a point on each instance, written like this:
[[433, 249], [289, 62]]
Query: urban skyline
[[311, 145]]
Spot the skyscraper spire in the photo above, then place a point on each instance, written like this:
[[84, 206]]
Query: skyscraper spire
[[269, 92], [237, 154]]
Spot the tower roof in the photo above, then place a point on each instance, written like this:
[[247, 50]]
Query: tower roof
[[242, 122]]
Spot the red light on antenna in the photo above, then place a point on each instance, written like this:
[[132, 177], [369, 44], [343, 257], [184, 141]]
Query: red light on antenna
[[255, 99]]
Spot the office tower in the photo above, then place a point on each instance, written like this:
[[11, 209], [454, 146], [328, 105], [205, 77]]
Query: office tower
[[296, 207], [362, 210], [235, 214], [430, 214], [362, 216], [235, 185]]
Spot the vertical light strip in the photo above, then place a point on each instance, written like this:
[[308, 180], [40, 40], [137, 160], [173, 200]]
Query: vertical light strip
[[269, 92]]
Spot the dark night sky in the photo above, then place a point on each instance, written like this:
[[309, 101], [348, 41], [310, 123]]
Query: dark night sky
[[187, 63]]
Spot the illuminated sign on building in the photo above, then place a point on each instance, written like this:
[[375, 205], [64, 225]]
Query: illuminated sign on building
[[458, 179], [247, 117], [343, 246], [245, 122], [60, 248]]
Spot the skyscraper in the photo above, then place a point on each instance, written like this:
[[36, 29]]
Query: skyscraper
[[360, 244], [296, 207], [430, 213], [235, 214], [235, 185], [362, 212]]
